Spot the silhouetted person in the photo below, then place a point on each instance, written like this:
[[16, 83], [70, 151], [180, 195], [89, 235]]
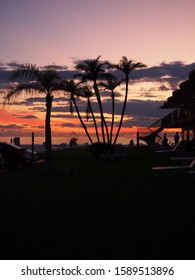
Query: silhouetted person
[[165, 140], [131, 142], [71, 143], [176, 138]]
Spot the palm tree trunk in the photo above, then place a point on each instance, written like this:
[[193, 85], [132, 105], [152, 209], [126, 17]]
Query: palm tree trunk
[[123, 110], [94, 120], [112, 122], [78, 113], [103, 122], [48, 142]]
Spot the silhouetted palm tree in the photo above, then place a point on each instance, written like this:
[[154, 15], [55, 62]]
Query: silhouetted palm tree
[[111, 84], [87, 93], [94, 70], [33, 80], [74, 90], [126, 66]]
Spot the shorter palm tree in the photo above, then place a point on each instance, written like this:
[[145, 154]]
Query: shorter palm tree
[[111, 84], [32, 80], [93, 71], [126, 66], [74, 90]]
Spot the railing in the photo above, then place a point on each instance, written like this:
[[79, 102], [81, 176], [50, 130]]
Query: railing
[[149, 134], [181, 115], [152, 129], [178, 118]]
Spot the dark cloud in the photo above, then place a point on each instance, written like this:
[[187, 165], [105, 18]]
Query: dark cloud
[[56, 67], [62, 116], [108, 94], [69, 124], [139, 121], [61, 109], [68, 74], [163, 88], [25, 117], [133, 107], [172, 72], [15, 103], [2, 67], [11, 126], [144, 108], [4, 77], [140, 113], [35, 99], [37, 109], [13, 64]]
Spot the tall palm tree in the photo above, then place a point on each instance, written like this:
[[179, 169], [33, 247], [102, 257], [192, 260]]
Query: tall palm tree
[[111, 84], [126, 66], [94, 70], [74, 90], [32, 80]]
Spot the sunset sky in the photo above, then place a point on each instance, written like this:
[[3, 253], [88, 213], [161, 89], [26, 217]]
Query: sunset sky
[[157, 33]]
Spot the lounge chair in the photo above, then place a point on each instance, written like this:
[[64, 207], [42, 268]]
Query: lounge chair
[[183, 160], [172, 170], [169, 150], [192, 174]]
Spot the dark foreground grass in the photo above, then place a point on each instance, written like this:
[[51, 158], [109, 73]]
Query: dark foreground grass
[[92, 209]]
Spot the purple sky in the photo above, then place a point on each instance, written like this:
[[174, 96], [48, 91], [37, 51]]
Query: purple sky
[[157, 33], [47, 31]]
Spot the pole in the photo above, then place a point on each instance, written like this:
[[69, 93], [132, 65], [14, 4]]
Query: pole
[[137, 138], [33, 147]]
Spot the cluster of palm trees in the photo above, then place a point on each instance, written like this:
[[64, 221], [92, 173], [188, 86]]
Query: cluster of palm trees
[[93, 76]]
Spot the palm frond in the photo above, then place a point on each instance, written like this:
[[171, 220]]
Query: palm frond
[[25, 71], [87, 92], [91, 69], [110, 84], [138, 65], [126, 66], [83, 77], [17, 89], [70, 86]]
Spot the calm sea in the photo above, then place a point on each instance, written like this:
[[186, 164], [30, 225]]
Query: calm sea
[[37, 140], [57, 142], [26, 142]]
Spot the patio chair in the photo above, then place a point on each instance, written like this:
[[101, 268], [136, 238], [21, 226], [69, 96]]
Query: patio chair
[[171, 171], [169, 150], [192, 174], [182, 160]]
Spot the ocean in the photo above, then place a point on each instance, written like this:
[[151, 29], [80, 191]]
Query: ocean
[[57, 142], [61, 140]]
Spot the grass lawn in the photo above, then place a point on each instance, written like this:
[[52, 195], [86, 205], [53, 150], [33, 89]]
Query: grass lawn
[[93, 209]]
